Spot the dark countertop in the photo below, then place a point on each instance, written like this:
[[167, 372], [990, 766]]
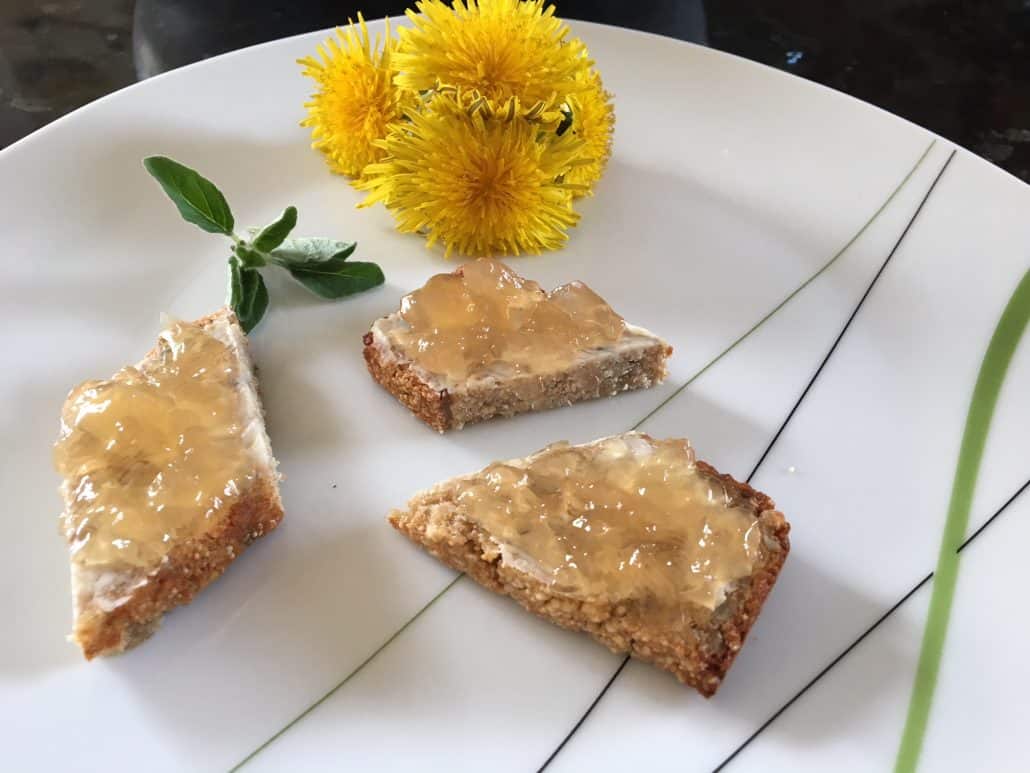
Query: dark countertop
[[958, 67]]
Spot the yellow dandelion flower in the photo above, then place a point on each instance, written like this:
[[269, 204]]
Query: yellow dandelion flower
[[356, 98], [593, 122], [503, 48], [480, 179]]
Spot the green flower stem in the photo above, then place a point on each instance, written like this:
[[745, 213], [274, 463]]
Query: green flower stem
[[995, 365]]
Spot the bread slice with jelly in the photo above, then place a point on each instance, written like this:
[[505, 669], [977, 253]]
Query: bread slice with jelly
[[629, 539], [168, 476], [485, 342]]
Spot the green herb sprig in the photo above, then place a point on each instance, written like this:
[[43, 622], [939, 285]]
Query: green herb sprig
[[320, 265]]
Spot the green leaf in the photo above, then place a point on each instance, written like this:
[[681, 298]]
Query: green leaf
[[197, 198], [328, 266], [250, 257], [272, 235], [308, 251], [337, 278], [234, 288], [248, 295]]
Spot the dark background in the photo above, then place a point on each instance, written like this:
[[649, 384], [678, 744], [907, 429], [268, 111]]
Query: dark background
[[959, 68]]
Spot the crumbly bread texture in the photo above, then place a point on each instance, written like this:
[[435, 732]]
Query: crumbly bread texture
[[117, 609], [637, 361], [699, 655]]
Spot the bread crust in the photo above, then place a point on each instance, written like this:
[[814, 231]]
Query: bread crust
[[699, 655], [433, 406], [601, 376], [117, 609], [188, 569]]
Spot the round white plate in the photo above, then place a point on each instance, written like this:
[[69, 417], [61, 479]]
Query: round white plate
[[751, 218]]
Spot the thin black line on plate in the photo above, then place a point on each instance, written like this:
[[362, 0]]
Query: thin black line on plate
[[345, 679], [586, 714], [854, 313], [651, 413], [790, 415], [990, 520], [879, 621], [823, 673], [836, 256]]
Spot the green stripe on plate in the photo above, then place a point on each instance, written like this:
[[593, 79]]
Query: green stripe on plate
[[978, 422], [769, 314]]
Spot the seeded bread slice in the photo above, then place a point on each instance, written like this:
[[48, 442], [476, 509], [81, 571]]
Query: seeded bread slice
[[117, 609], [699, 655], [635, 361]]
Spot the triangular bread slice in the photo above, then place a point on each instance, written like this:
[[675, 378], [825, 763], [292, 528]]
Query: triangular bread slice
[[700, 643], [116, 608], [637, 360]]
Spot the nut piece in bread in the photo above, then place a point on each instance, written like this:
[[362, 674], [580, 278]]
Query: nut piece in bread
[[698, 645], [117, 605]]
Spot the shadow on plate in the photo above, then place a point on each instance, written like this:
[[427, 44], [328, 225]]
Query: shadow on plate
[[272, 632], [790, 644], [716, 429], [808, 621], [104, 196], [35, 570]]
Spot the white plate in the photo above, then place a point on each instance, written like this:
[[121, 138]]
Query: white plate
[[731, 187]]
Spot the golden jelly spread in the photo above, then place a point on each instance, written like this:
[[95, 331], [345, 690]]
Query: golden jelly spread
[[624, 518], [459, 325], [153, 454]]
